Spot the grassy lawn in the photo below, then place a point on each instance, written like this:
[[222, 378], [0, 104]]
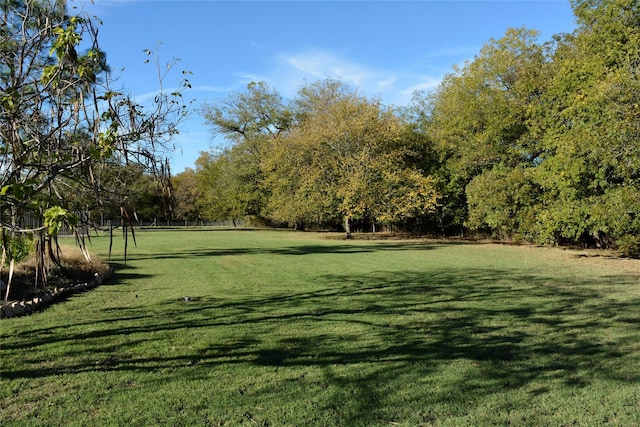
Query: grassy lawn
[[293, 329]]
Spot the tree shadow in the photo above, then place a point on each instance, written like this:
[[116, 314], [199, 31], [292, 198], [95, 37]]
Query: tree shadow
[[508, 329], [345, 249]]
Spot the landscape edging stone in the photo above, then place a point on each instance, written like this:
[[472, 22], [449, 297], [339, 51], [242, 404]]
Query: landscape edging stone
[[11, 309]]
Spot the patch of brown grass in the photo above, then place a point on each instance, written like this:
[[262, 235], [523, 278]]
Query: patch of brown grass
[[74, 269]]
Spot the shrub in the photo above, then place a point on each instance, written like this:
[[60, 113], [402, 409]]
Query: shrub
[[630, 246], [18, 247]]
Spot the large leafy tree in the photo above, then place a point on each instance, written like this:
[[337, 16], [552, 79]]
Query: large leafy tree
[[186, 196], [250, 120], [504, 200], [479, 119], [62, 120], [479, 113], [223, 193], [542, 140], [344, 159], [591, 126]]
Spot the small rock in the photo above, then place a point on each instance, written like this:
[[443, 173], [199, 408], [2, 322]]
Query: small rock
[[28, 308], [8, 312], [18, 308]]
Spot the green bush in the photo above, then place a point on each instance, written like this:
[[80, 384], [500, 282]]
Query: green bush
[[630, 246], [18, 247]]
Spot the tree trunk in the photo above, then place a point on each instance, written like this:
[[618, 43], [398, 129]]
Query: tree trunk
[[347, 227]]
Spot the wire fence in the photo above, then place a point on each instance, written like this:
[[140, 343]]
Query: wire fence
[[30, 222]]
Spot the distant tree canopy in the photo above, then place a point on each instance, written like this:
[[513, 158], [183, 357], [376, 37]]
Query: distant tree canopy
[[529, 141], [329, 157]]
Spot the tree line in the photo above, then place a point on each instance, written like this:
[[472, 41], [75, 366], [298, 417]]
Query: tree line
[[529, 141]]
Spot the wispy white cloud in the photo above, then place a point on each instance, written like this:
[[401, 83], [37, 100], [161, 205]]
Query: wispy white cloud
[[246, 78], [392, 86], [210, 88], [188, 95], [323, 64], [289, 71], [417, 84], [385, 84]]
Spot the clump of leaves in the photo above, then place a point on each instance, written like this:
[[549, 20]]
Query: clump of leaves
[[630, 246], [17, 247]]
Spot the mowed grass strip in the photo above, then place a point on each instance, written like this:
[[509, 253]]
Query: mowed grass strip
[[293, 329]]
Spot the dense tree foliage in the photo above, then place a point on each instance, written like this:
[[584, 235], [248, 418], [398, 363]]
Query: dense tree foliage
[[540, 141], [478, 117], [344, 159], [186, 196], [591, 130], [530, 141], [327, 158], [66, 133], [252, 120]]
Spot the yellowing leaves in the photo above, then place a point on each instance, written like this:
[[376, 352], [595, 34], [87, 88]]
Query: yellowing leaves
[[345, 160]]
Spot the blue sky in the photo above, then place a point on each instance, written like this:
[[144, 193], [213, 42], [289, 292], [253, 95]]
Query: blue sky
[[384, 49]]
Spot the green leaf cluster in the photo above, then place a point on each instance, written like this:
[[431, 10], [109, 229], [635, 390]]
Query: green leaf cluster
[[17, 248], [56, 217], [543, 138]]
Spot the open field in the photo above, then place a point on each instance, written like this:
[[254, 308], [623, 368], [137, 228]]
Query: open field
[[292, 329]]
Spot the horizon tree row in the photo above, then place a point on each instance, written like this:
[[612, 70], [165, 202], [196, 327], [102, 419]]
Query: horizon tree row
[[331, 156], [529, 141]]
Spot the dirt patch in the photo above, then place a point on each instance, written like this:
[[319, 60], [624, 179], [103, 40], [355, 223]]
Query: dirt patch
[[75, 274]]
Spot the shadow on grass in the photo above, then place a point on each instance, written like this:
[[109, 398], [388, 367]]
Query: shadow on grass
[[298, 250], [466, 332], [124, 273]]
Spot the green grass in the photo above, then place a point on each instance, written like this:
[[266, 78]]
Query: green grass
[[292, 329]]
